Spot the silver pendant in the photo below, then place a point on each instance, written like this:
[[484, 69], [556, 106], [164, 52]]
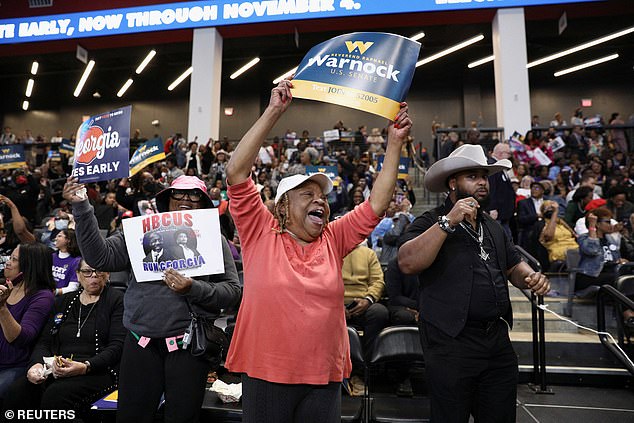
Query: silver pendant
[[483, 254], [78, 333]]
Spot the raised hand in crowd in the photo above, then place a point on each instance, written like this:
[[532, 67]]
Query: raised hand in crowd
[[71, 190], [19, 224]]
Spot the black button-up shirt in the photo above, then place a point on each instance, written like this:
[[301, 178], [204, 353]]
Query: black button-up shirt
[[449, 284]]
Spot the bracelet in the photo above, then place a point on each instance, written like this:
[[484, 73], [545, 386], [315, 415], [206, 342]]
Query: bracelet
[[445, 224]]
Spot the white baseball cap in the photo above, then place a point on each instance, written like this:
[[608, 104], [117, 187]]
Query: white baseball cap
[[292, 182]]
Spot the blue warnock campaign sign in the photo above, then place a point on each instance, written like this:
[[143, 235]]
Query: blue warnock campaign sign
[[149, 152], [370, 71], [403, 166], [67, 147], [330, 171], [102, 147], [12, 156]]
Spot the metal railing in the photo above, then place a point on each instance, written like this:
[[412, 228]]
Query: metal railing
[[539, 385], [610, 293]]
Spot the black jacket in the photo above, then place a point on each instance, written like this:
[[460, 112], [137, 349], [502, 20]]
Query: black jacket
[[109, 334]]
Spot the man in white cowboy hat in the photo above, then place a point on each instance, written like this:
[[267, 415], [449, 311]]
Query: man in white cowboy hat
[[464, 260]]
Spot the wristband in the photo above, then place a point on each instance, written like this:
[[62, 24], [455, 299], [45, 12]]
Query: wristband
[[445, 224]]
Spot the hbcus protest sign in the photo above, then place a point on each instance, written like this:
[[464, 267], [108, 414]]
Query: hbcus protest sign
[[186, 241]]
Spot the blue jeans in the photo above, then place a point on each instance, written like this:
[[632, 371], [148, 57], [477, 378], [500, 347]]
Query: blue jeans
[[7, 376]]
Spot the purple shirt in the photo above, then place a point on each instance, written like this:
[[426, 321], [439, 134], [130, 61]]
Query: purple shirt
[[64, 270], [31, 312]]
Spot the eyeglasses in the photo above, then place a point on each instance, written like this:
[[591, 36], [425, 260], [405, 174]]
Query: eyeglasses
[[192, 195], [603, 221], [88, 272]]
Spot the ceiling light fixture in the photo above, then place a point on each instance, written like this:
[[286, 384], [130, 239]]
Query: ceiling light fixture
[[25, 105], [145, 61], [450, 50], [586, 65], [181, 78], [34, 67], [84, 77], [29, 88], [417, 36], [481, 61], [289, 73], [125, 87], [581, 47], [244, 68]]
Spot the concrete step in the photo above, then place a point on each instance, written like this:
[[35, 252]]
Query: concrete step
[[522, 323], [523, 305], [582, 337]]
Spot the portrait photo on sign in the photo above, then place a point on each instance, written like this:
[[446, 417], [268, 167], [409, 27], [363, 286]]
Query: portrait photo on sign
[[186, 241]]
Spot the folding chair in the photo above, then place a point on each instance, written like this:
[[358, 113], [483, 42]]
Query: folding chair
[[399, 344], [352, 408]]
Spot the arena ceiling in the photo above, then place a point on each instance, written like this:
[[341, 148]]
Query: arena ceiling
[[280, 46]]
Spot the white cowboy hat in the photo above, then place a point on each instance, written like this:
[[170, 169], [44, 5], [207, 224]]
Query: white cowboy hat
[[467, 156]]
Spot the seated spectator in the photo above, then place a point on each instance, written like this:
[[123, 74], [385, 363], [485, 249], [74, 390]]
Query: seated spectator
[[375, 142], [136, 192], [85, 335], [389, 243], [383, 227], [576, 207], [402, 292], [173, 170], [580, 225], [107, 210], [25, 305], [528, 211], [66, 262], [556, 236], [364, 285], [600, 255], [619, 206]]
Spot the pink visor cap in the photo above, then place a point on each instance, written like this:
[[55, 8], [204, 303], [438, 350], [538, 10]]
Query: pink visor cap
[[292, 182], [183, 182]]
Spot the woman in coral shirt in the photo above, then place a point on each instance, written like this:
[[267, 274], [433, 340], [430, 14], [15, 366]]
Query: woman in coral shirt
[[290, 339]]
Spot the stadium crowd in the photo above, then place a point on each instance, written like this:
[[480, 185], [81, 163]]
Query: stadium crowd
[[577, 191]]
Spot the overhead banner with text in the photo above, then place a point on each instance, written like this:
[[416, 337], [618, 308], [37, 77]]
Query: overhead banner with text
[[216, 13], [148, 153], [12, 156], [102, 147], [369, 71]]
